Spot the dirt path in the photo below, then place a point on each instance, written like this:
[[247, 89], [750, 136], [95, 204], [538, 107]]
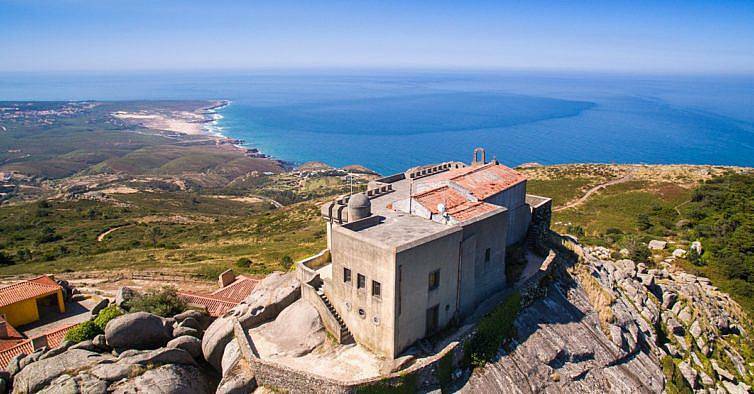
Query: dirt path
[[102, 236], [591, 191]]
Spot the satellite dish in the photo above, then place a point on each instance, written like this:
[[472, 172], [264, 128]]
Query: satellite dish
[[441, 208]]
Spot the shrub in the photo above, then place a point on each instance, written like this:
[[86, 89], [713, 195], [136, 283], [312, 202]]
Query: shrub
[[83, 332], [286, 262], [491, 331], [243, 262], [105, 315], [162, 302]]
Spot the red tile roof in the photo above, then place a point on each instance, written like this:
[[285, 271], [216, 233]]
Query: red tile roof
[[471, 210], [215, 306], [485, 180], [7, 354], [28, 289], [445, 195], [238, 290], [54, 339], [456, 204]]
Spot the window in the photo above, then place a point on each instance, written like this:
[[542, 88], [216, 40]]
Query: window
[[376, 290], [487, 255], [346, 275], [361, 281], [434, 280]]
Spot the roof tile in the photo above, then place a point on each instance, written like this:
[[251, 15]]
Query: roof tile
[[32, 288]]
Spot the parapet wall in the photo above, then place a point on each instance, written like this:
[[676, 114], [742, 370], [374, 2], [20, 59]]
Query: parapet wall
[[307, 268], [280, 377]]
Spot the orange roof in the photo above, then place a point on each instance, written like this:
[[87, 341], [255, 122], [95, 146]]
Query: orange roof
[[215, 306], [54, 339], [238, 290], [28, 289], [485, 180], [6, 355], [445, 195], [457, 205], [471, 210]]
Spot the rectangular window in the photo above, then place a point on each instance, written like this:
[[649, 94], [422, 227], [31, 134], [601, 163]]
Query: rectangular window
[[487, 255], [346, 275], [361, 281], [376, 290], [434, 280]]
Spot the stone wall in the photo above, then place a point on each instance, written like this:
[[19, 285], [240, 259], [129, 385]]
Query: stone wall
[[330, 322], [268, 373]]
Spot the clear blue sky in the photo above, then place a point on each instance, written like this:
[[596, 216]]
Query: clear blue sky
[[633, 36]]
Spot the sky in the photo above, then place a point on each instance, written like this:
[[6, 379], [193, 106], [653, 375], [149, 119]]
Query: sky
[[677, 37]]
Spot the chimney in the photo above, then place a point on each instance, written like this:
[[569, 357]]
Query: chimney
[[3, 328], [39, 342], [226, 278]]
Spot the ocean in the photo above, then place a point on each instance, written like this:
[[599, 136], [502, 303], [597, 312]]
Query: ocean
[[389, 121]]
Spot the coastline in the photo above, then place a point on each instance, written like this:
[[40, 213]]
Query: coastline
[[213, 129]]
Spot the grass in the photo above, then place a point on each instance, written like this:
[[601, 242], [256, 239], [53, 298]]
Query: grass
[[560, 190], [619, 205], [200, 238]]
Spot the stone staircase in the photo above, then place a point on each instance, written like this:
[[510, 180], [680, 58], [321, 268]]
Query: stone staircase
[[345, 334]]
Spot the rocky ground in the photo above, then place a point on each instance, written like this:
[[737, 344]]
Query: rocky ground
[[138, 351], [603, 325], [617, 326]]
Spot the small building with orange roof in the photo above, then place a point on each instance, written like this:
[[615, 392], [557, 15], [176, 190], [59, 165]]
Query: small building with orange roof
[[232, 290], [20, 303]]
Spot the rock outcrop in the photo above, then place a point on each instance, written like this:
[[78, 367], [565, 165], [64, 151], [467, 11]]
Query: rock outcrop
[[608, 330], [139, 330], [273, 294], [136, 354], [296, 331]]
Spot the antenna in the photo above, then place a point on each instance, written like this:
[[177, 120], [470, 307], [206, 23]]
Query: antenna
[[410, 193]]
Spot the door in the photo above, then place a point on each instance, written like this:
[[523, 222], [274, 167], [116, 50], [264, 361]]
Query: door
[[433, 318]]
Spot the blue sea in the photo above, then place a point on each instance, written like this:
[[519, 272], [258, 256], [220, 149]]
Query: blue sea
[[388, 121]]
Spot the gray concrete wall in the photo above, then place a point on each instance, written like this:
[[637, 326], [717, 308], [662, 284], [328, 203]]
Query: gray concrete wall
[[519, 213], [415, 265], [480, 278], [375, 329]]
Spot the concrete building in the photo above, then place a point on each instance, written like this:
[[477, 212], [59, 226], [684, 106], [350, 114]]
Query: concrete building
[[418, 250]]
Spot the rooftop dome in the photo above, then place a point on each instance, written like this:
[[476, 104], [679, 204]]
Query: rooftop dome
[[359, 200], [359, 207]]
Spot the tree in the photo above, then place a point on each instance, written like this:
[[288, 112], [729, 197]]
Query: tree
[[6, 259], [154, 233], [637, 250], [643, 222]]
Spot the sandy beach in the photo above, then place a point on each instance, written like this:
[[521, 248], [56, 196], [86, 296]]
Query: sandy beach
[[197, 122]]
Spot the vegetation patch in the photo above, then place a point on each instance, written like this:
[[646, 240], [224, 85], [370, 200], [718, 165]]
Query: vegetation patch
[[105, 315], [162, 302], [491, 331], [674, 380], [83, 332], [405, 384]]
